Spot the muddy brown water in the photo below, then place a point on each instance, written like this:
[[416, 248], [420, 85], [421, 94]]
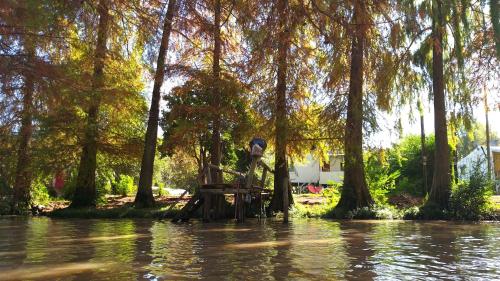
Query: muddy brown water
[[50, 249]]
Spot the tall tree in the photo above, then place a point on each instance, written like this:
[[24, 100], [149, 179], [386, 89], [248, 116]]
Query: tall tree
[[23, 176], [85, 191], [144, 197], [441, 182], [355, 191], [281, 119], [26, 28], [215, 147], [279, 53]]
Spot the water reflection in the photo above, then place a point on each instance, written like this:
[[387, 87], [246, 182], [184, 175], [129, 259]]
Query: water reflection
[[359, 250], [45, 249]]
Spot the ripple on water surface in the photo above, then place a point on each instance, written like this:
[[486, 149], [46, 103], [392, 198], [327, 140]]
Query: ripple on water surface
[[45, 249]]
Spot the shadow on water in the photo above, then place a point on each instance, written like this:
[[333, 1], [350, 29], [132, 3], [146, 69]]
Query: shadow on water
[[142, 250], [13, 242]]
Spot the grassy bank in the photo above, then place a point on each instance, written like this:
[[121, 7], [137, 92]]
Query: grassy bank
[[316, 206], [115, 207], [113, 213], [306, 206]]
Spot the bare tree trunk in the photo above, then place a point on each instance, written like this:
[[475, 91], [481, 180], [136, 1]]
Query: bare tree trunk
[[355, 191], [22, 184], [441, 182], [85, 192], [280, 164], [144, 197]]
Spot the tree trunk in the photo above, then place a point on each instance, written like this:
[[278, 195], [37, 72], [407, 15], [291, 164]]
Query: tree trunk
[[355, 193], [85, 191], [144, 197], [22, 184], [280, 164], [215, 148], [218, 201], [423, 152], [441, 182]]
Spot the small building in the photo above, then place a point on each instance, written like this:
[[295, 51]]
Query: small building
[[478, 157], [314, 171]]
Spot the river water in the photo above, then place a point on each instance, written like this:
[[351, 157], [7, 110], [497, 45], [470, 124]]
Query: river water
[[50, 249]]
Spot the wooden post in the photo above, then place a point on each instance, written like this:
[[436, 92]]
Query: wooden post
[[263, 179], [285, 200], [251, 172], [207, 206]]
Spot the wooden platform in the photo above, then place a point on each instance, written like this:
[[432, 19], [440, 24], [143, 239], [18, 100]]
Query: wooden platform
[[225, 188]]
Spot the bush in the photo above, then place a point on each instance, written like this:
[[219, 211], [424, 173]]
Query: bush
[[470, 199], [39, 193], [332, 194], [125, 185], [375, 212], [411, 213]]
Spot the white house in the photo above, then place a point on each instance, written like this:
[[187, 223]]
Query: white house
[[315, 171], [478, 157]]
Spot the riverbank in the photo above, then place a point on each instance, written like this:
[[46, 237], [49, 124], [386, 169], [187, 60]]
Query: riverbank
[[115, 207], [306, 206]]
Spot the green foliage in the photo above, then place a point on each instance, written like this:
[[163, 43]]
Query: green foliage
[[406, 157], [381, 180], [375, 212], [180, 171], [189, 113], [332, 194], [39, 193], [115, 213], [399, 170], [411, 213], [325, 210], [125, 186], [470, 199]]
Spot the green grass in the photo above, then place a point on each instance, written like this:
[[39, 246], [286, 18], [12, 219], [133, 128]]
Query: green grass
[[113, 213], [327, 211]]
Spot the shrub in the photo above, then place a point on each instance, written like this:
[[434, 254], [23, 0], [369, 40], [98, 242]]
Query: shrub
[[125, 185], [411, 213], [376, 212], [39, 193], [332, 194], [470, 199]]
